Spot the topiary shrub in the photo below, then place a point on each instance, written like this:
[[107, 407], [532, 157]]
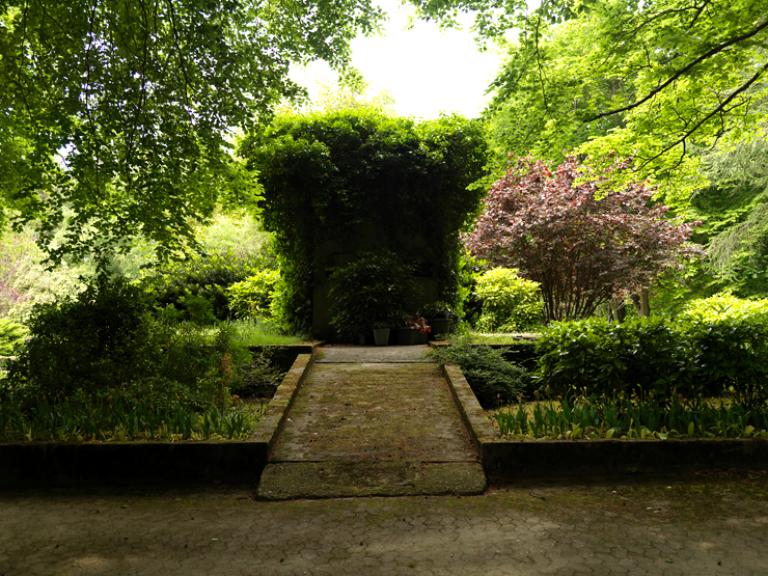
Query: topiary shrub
[[509, 302], [343, 183], [494, 380]]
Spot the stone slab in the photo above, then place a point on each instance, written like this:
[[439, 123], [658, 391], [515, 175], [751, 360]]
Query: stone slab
[[373, 354], [370, 412], [292, 480]]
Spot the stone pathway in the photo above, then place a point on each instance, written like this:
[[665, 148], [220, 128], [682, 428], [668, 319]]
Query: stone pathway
[[373, 422], [695, 527]]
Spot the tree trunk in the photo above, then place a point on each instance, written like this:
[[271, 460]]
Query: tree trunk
[[642, 302], [618, 310]]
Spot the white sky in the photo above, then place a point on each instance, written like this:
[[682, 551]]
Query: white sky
[[425, 70]]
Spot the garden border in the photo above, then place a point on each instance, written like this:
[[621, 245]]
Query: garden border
[[37, 464], [506, 460]]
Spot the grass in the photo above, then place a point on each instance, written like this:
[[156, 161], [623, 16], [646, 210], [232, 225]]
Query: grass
[[586, 418], [499, 338], [247, 333]]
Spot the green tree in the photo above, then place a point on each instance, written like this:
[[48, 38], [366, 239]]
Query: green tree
[[116, 116], [651, 80]]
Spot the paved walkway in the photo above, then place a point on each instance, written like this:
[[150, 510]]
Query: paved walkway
[[373, 421], [699, 527]]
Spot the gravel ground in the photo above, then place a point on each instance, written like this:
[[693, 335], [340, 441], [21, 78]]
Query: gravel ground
[[704, 525]]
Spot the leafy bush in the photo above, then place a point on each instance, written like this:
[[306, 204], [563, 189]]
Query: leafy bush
[[197, 287], [494, 380], [650, 357], [372, 289], [595, 357], [730, 357], [347, 182], [509, 302], [252, 297], [99, 340], [722, 307], [11, 337], [101, 360]]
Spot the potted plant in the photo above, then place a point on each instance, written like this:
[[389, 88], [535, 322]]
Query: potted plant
[[367, 294], [415, 330], [441, 317]]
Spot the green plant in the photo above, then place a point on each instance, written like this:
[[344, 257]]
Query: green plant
[[11, 337], [509, 302], [722, 307], [99, 340], [372, 288], [100, 366], [197, 287], [494, 380], [252, 297], [640, 356], [340, 184], [653, 357], [730, 356], [631, 417]]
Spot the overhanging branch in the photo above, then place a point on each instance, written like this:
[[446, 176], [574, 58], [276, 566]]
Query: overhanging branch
[[684, 70]]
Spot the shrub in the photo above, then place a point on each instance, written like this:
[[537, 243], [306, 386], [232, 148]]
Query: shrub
[[722, 307], [351, 181], [197, 287], [372, 289], [730, 356], [494, 380], [11, 337], [509, 302], [595, 357], [97, 340], [252, 297], [650, 357], [100, 365]]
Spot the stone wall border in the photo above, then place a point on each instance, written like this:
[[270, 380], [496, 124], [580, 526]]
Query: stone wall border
[[510, 460]]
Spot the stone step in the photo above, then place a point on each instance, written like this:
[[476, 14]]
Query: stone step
[[373, 354], [293, 480]]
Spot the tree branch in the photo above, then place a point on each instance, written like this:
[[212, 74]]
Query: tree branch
[[722, 107], [681, 71]]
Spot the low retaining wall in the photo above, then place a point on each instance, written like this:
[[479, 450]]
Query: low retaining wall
[[519, 459], [152, 463]]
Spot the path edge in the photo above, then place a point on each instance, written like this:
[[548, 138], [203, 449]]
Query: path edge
[[273, 422], [507, 460]]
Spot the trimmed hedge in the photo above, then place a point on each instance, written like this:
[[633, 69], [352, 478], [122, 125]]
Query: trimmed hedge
[[651, 357]]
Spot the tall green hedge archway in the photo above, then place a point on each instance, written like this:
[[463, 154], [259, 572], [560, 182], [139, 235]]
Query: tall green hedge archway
[[345, 183]]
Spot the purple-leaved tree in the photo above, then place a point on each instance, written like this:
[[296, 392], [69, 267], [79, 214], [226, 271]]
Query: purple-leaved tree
[[586, 245]]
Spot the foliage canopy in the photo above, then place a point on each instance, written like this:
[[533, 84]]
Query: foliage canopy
[[116, 116]]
